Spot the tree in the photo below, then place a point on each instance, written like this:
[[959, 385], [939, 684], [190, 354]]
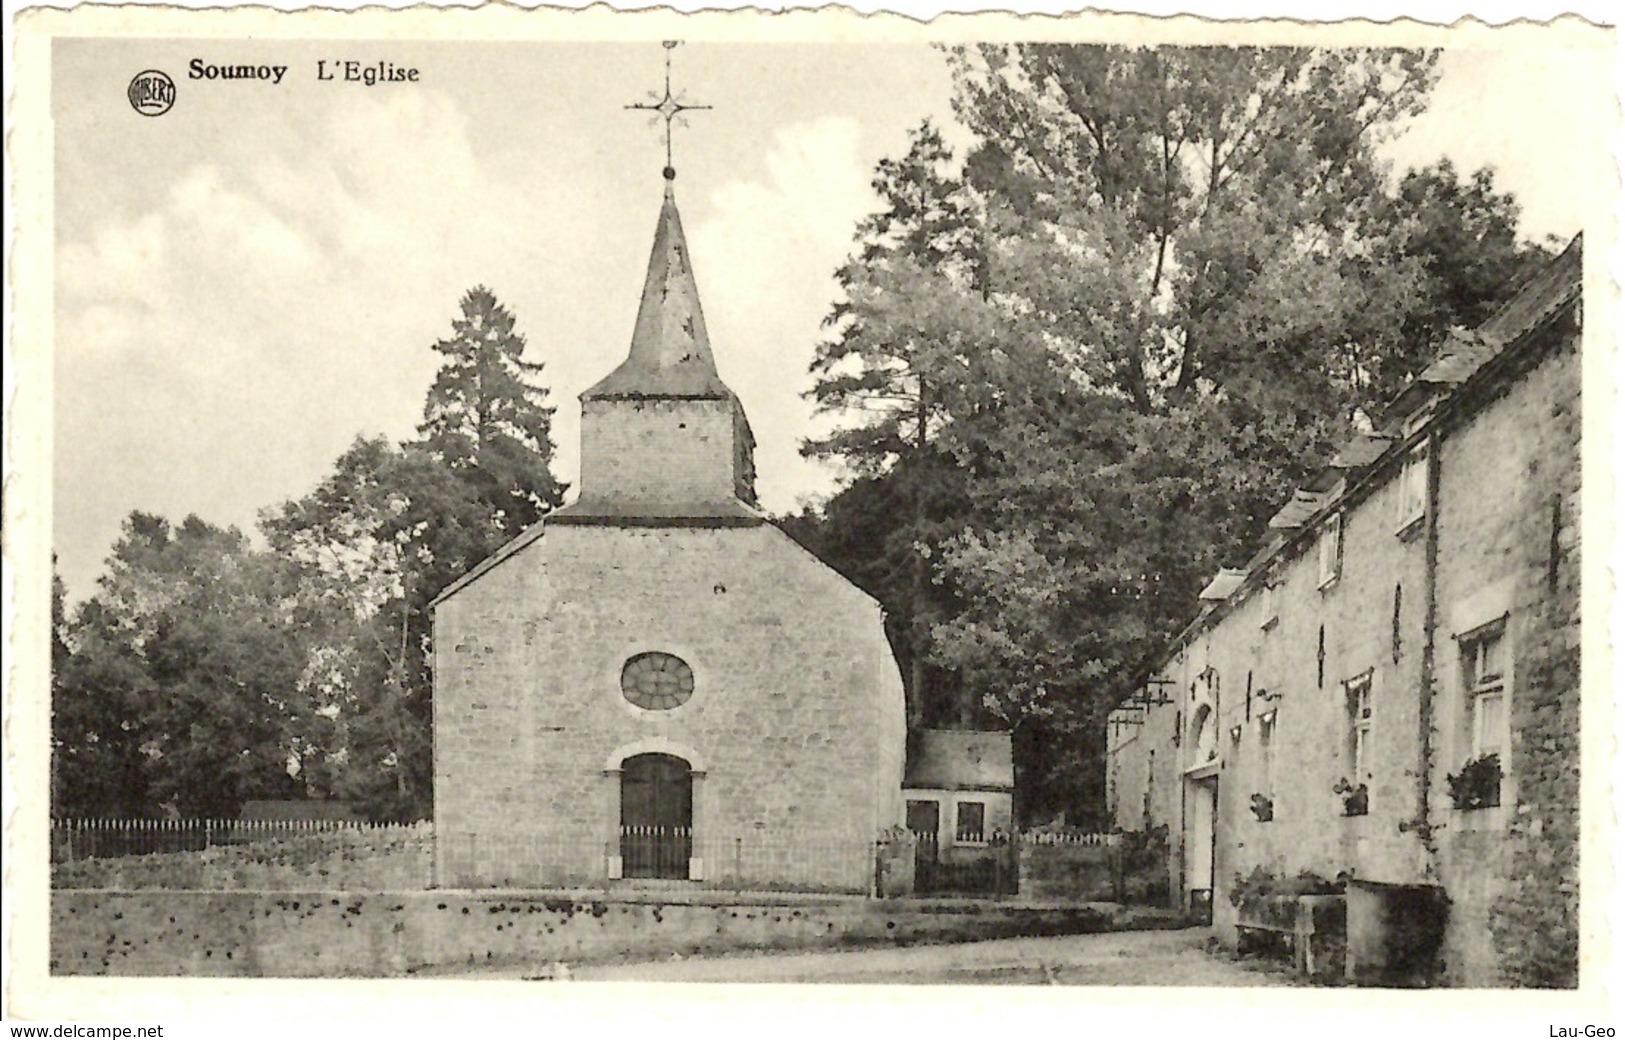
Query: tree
[[1162, 288], [1465, 236], [487, 419], [1196, 237], [371, 546], [392, 526], [180, 682], [205, 672], [883, 373]]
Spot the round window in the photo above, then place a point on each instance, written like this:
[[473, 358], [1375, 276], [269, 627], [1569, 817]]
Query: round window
[[657, 682]]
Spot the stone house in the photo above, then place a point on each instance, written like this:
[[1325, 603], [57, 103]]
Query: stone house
[[655, 681], [1387, 697]]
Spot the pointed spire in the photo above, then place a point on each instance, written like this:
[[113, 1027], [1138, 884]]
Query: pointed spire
[[671, 353]]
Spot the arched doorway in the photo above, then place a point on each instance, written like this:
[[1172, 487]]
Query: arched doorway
[[657, 816]]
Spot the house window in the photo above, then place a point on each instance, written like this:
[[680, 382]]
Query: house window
[[1265, 798], [1484, 667], [1413, 489], [1359, 732], [1331, 550], [970, 821], [1268, 615]]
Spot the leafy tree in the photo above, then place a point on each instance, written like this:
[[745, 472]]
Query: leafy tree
[[372, 545], [205, 672], [487, 418], [1196, 238], [1465, 235], [1164, 286], [392, 526], [180, 687]]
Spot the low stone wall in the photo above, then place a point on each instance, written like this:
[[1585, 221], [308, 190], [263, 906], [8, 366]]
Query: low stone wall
[[1081, 872], [377, 934], [362, 858]]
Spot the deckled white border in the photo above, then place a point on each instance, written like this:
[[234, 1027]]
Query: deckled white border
[[460, 1007]]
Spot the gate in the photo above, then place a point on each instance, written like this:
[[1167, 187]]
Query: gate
[[657, 808]]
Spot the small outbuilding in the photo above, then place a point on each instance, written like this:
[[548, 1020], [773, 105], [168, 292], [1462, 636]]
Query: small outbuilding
[[961, 782]]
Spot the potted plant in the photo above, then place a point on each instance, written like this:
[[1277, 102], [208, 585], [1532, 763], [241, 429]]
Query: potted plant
[[1356, 799], [1263, 808], [1478, 785]]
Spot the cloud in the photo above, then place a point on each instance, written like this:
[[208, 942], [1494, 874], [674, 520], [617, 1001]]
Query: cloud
[[216, 351], [766, 260], [220, 223]]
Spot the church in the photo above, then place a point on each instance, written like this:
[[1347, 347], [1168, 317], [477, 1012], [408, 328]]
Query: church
[[655, 681]]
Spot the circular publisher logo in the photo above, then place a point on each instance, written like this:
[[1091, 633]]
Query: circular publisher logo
[[151, 93]]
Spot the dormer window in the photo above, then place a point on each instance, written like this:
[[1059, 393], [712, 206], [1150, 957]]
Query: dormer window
[[1331, 550], [1413, 490]]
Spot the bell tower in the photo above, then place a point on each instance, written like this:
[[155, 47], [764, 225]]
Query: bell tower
[[662, 437]]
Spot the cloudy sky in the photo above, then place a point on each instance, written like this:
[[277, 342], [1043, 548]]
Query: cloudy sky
[[249, 282]]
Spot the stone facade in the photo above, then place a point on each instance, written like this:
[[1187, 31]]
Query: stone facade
[[794, 729], [781, 730], [1310, 720]]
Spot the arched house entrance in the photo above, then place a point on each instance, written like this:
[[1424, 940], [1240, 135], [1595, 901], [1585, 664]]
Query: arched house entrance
[[1201, 811], [655, 786]]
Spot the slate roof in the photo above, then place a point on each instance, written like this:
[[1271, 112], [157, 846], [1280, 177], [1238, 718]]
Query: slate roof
[[950, 759], [1297, 511], [671, 352], [655, 514], [1552, 288]]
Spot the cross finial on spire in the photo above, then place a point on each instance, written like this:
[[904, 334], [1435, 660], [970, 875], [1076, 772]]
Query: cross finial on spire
[[668, 108]]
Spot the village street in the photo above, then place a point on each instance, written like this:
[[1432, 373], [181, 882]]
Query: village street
[[1109, 959]]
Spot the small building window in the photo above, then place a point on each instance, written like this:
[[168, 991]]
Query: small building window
[[1484, 667], [1263, 804], [1359, 729], [1268, 613], [970, 822], [1413, 490], [1331, 550]]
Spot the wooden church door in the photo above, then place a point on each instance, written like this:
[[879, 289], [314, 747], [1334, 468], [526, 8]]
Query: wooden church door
[[657, 816]]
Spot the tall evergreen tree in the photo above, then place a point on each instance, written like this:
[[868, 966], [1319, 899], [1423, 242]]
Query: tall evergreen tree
[[392, 526], [883, 371], [487, 417]]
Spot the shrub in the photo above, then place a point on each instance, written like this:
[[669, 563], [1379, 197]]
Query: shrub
[[1478, 785]]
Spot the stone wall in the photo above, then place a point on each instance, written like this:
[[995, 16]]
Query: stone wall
[[1508, 478], [362, 857], [310, 935], [1509, 545], [794, 730], [1079, 872], [665, 451]]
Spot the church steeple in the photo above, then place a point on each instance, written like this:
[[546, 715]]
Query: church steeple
[[671, 353], [663, 439]]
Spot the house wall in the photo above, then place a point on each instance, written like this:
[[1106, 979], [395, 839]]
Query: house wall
[[996, 814], [795, 726], [1509, 543], [1500, 475]]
